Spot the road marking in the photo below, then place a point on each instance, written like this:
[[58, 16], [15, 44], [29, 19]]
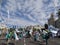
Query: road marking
[[24, 42]]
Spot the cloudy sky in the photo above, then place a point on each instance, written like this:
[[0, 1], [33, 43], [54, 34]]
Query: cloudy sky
[[27, 12]]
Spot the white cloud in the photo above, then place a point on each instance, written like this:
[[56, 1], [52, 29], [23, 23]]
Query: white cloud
[[11, 5], [40, 11], [19, 22], [30, 17]]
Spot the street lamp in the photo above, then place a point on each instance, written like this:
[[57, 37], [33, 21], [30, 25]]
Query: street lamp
[[0, 10], [0, 6]]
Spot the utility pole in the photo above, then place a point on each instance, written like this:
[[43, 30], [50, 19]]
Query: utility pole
[[55, 5], [0, 11], [0, 7], [8, 16]]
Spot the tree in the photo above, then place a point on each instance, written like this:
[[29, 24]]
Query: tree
[[58, 12]]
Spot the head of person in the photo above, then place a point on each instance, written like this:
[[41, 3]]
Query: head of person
[[46, 26]]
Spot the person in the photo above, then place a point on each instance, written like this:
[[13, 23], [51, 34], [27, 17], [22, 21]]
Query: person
[[7, 36], [12, 36], [29, 34], [21, 35], [46, 34], [34, 35], [31, 31], [37, 35]]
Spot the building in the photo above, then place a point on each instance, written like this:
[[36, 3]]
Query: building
[[51, 20], [54, 23], [57, 22]]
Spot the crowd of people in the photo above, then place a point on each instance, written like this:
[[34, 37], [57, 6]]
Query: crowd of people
[[37, 33], [31, 33]]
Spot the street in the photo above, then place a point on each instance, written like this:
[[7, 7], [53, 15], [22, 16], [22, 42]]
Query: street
[[28, 41]]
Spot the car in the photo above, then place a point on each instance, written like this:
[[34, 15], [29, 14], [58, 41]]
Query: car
[[0, 32], [58, 34], [53, 30]]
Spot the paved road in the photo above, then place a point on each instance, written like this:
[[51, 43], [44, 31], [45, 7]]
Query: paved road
[[28, 41], [55, 41]]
